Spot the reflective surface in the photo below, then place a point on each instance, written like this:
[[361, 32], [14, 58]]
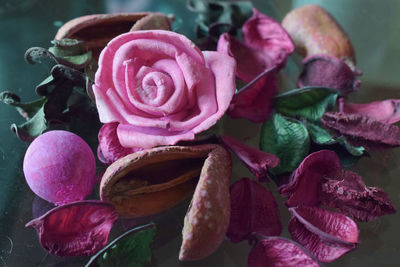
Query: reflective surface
[[373, 28]]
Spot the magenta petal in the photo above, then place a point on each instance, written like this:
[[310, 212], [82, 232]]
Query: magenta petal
[[267, 36], [361, 130], [347, 193], [110, 149], [304, 187], [279, 251], [75, 229], [253, 210], [257, 161], [326, 234], [386, 111], [256, 102], [328, 71]]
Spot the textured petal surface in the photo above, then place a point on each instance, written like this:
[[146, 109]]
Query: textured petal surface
[[75, 229], [253, 210], [327, 235]]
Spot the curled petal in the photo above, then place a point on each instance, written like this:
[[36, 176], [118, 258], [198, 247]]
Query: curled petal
[[257, 161], [278, 251], [386, 111], [303, 189], [327, 235], [347, 193], [330, 72], [110, 149], [75, 229], [362, 130], [253, 210]]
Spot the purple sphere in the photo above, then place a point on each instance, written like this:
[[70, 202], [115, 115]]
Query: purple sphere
[[60, 167]]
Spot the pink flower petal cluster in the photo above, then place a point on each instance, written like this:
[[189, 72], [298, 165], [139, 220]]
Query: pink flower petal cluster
[[160, 88]]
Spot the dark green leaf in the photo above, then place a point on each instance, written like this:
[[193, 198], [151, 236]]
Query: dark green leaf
[[288, 139], [309, 102], [353, 150], [319, 135], [27, 110], [32, 128], [80, 60], [69, 47], [130, 249]]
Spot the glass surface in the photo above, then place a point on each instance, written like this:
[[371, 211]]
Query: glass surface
[[373, 27]]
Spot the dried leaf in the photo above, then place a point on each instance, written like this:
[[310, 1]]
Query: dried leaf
[[279, 251], [346, 192], [253, 210], [132, 248], [75, 229], [310, 102], [287, 139], [258, 162], [326, 234]]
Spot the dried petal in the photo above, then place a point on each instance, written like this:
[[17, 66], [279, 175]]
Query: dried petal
[[303, 189], [327, 235], [346, 192], [110, 149], [75, 229], [386, 111], [279, 251], [328, 71], [207, 219], [361, 130], [253, 210], [258, 162]]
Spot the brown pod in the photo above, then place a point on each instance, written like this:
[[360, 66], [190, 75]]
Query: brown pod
[[207, 219], [97, 30], [315, 31]]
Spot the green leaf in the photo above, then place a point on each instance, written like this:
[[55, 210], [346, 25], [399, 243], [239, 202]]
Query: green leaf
[[32, 128], [130, 249], [76, 59], [353, 150], [288, 139], [27, 110], [309, 102], [319, 135]]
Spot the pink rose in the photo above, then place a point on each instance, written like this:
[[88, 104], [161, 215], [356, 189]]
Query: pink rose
[[160, 88]]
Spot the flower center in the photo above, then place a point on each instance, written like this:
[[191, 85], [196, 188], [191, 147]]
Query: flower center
[[156, 88]]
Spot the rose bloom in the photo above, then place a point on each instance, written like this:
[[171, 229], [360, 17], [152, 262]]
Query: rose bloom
[[160, 88]]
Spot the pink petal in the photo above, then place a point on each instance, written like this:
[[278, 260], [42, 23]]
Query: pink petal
[[267, 36], [279, 251], [363, 130], [386, 111], [257, 161], [327, 71], [75, 229], [304, 187], [327, 235], [253, 210], [346, 192], [110, 149]]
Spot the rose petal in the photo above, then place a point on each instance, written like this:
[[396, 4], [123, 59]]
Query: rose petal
[[327, 235], [279, 251], [267, 36], [304, 187], [361, 130], [110, 149], [253, 210], [330, 72], [75, 229], [386, 111], [346, 192], [257, 161]]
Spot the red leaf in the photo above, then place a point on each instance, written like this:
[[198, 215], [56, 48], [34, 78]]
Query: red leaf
[[257, 161], [362, 130], [253, 210], [278, 251], [75, 229], [327, 235], [387, 111], [328, 71], [347, 192], [304, 187]]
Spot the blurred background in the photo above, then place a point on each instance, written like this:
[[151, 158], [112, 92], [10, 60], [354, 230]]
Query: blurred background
[[373, 27]]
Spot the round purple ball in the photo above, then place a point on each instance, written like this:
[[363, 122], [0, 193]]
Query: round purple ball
[[60, 167]]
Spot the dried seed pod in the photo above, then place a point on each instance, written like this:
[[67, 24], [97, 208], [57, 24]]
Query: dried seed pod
[[315, 31]]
